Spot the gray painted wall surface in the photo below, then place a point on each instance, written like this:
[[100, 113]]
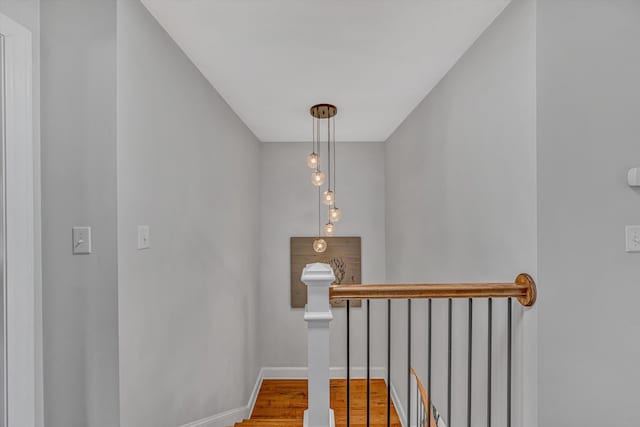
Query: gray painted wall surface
[[460, 205], [289, 207], [588, 136], [24, 12], [188, 167], [79, 188]]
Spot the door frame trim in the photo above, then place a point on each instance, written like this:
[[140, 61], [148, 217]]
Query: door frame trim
[[20, 302]]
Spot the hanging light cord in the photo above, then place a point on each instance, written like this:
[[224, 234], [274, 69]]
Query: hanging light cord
[[334, 161], [318, 169], [318, 143], [313, 135], [319, 187], [329, 148], [319, 214]]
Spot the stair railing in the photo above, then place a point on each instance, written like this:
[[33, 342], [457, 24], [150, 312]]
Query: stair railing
[[319, 277], [424, 415]]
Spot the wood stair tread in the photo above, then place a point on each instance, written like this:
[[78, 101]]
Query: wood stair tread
[[283, 402], [269, 422]]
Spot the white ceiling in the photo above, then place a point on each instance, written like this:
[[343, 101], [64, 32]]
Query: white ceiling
[[374, 59]]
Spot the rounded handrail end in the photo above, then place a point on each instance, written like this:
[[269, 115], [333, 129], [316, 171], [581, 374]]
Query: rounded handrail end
[[526, 281]]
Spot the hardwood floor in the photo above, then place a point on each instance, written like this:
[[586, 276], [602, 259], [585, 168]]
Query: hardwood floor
[[282, 403]]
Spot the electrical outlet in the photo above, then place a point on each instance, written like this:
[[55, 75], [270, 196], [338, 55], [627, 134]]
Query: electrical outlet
[[633, 238]]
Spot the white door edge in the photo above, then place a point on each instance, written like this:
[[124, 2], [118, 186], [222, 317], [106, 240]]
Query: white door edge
[[20, 284]]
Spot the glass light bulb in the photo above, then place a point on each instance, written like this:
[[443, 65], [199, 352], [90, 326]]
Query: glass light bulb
[[328, 197], [312, 160], [329, 229], [317, 178], [319, 245], [334, 214]]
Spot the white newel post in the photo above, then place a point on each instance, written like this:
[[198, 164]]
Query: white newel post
[[318, 278]]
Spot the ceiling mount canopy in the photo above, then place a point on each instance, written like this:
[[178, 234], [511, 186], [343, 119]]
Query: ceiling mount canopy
[[323, 111]]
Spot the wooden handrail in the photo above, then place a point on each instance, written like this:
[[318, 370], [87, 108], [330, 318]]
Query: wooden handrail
[[524, 289], [425, 400]]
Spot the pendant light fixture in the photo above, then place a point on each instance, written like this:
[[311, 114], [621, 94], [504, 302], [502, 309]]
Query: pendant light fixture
[[327, 197]]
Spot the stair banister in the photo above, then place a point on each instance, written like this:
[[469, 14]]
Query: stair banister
[[523, 288], [318, 278]]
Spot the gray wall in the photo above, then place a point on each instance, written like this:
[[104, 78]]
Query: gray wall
[[460, 204], [588, 128], [27, 13], [24, 12], [289, 207], [188, 168], [79, 188]]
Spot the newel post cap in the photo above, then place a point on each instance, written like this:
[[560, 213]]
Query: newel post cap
[[318, 274], [318, 278]]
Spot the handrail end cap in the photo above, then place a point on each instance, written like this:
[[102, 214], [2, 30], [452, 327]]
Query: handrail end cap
[[529, 299]]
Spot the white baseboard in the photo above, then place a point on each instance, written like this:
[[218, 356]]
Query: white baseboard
[[332, 419], [223, 419], [230, 417], [400, 410], [298, 373], [254, 393]]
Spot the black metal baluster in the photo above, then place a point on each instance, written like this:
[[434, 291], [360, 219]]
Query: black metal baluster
[[348, 366], [490, 327], [409, 363], [389, 363], [509, 363], [368, 363], [469, 363], [429, 367], [449, 356]]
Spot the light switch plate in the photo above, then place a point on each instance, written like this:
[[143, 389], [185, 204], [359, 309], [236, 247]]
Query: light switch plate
[[143, 237], [81, 240], [633, 238]]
